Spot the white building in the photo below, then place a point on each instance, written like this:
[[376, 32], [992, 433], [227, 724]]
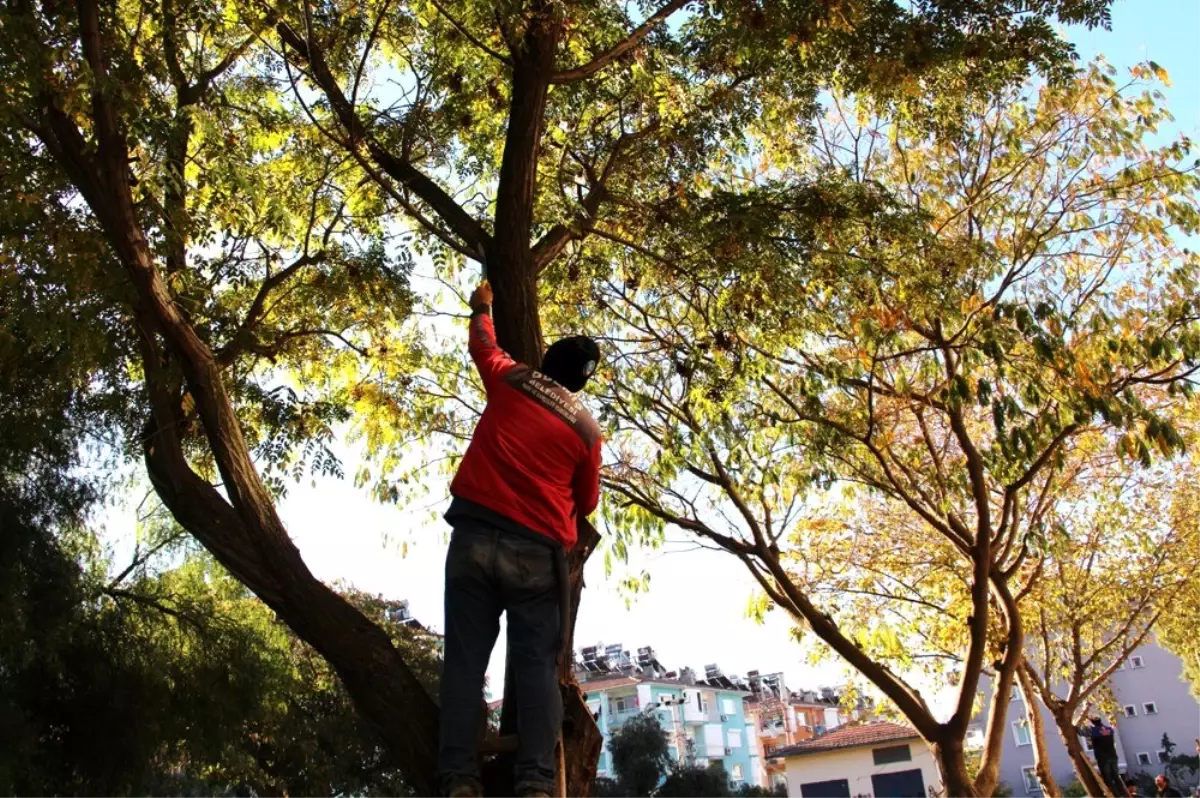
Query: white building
[[870, 760]]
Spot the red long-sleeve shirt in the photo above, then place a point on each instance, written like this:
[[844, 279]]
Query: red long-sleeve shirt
[[535, 456]]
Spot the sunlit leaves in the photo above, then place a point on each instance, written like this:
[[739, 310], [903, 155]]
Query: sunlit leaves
[[275, 251], [956, 320]]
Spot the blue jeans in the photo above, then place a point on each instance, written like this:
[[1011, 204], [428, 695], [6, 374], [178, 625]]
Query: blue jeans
[[489, 571]]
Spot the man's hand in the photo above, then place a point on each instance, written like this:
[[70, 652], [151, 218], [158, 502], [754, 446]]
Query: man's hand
[[482, 295]]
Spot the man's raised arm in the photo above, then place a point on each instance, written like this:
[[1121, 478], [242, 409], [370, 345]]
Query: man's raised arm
[[490, 359]]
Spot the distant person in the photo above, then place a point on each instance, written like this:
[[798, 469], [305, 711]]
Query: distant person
[[1104, 747], [531, 473], [1165, 790], [1132, 788]]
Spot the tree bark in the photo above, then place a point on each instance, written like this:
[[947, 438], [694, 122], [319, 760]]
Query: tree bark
[[952, 763], [582, 741], [518, 327], [1041, 756], [1010, 662]]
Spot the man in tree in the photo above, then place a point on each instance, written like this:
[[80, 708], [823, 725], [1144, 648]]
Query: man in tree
[[1104, 746], [531, 472]]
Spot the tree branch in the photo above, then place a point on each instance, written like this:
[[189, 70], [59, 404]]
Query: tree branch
[[730, 544], [471, 37], [241, 339], [613, 53], [117, 593], [139, 558], [465, 226]]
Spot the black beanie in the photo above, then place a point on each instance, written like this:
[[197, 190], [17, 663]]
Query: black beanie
[[571, 361]]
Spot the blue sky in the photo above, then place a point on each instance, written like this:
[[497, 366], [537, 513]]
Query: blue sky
[[1164, 31], [694, 613]]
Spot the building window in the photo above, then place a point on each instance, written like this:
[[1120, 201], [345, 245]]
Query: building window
[[1143, 758], [1137, 662], [1032, 785], [1150, 708], [893, 753], [1130, 711], [1021, 732], [735, 738], [1162, 757], [728, 707], [736, 774]]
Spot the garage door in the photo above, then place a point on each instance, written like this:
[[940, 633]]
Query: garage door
[[838, 788], [903, 784]]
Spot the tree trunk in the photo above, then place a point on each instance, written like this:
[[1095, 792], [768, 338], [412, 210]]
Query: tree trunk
[[1037, 730], [245, 532], [952, 763], [582, 741], [1006, 671], [1089, 777], [512, 273], [518, 326], [383, 687]]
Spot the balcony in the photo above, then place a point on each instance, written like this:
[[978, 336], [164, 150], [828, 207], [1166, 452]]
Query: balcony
[[771, 730], [617, 719]]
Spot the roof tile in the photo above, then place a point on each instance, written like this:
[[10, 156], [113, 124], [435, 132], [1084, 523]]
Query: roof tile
[[850, 737]]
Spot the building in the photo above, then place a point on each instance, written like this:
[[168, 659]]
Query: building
[[704, 719], [1154, 700], [866, 760], [783, 718]]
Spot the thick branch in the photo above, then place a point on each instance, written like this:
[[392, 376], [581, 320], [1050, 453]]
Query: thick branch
[[1014, 644], [906, 699]]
